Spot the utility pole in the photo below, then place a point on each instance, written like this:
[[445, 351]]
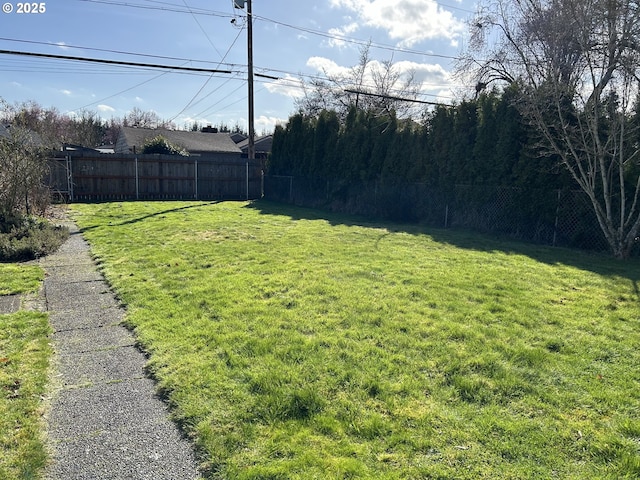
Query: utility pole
[[252, 132], [251, 150]]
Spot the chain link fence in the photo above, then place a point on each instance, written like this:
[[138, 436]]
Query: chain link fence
[[549, 217]]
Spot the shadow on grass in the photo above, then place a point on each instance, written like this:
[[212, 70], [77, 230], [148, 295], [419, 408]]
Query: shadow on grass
[[600, 263], [152, 215]]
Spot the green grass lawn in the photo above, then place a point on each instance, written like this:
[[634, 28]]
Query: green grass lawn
[[297, 344], [24, 361]]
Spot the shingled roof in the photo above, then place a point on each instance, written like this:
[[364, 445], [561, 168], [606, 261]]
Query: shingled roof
[[193, 142], [262, 144], [32, 138]]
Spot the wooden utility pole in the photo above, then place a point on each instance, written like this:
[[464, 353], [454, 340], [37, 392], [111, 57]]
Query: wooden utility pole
[[252, 139]]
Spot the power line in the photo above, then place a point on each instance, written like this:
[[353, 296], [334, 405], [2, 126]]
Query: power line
[[120, 92], [182, 59], [203, 30], [391, 97], [191, 102], [113, 62], [355, 41], [171, 8], [175, 8], [107, 50], [171, 69], [165, 6]]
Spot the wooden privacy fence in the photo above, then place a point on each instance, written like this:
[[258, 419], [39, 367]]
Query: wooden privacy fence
[[104, 177]]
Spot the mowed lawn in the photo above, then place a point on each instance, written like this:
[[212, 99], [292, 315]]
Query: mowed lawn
[[24, 360], [292, 343]]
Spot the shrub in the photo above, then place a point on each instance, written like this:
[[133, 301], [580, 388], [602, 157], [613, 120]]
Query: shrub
[[161, 145], [28, 237]]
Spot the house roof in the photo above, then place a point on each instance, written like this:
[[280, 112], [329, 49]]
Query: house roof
[[193, 142], [238, 137], [32, 138], [262, 144]]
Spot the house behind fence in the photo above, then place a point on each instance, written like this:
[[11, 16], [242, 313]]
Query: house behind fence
[[213, 169]]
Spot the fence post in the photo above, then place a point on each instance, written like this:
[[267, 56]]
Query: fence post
[[70, 177], [446, 216], [137, 180], [555, 225], [290, 189], [247, 179], [195, 166]]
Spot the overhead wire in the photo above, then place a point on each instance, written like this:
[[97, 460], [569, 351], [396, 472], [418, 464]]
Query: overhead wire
[[171, 8], [167, 6], [191, 102], [355, 41], [333, 36], [104, 99], [109, 50], [203, 30], [171, 68], [210, 107], [111, 62]]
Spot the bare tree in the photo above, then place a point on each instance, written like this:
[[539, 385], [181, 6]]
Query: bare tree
[[22, 169], [576, 63], [112, 130], [369, 85], [145, 119], [87, 129], [52, 127]]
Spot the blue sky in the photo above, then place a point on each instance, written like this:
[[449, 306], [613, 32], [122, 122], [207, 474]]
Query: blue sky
[[291, 39]]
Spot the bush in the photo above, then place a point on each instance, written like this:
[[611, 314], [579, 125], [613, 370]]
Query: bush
[[161, 145], [28, 237]]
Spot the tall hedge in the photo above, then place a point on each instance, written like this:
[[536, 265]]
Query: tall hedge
[[477, 142]]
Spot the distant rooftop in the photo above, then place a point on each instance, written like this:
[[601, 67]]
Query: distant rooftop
[[193, 142]]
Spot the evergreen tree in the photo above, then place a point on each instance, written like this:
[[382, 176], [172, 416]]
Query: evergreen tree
[[483, 167], [324, 144], [440, 145], [465, 127]]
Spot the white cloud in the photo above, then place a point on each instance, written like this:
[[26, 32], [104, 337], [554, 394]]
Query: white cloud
[[267, 124], [289, 86], [66, 92], [343, 31], [327, 66], [408, 21], [189, 121], [431, 76], [106, 109], [426, 73], [446, 96], [62, 45]]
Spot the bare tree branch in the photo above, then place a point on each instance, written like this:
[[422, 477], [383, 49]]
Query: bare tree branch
[[577, 65]]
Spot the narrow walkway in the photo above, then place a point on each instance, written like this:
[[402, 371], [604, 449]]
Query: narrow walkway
[[105, 420]]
